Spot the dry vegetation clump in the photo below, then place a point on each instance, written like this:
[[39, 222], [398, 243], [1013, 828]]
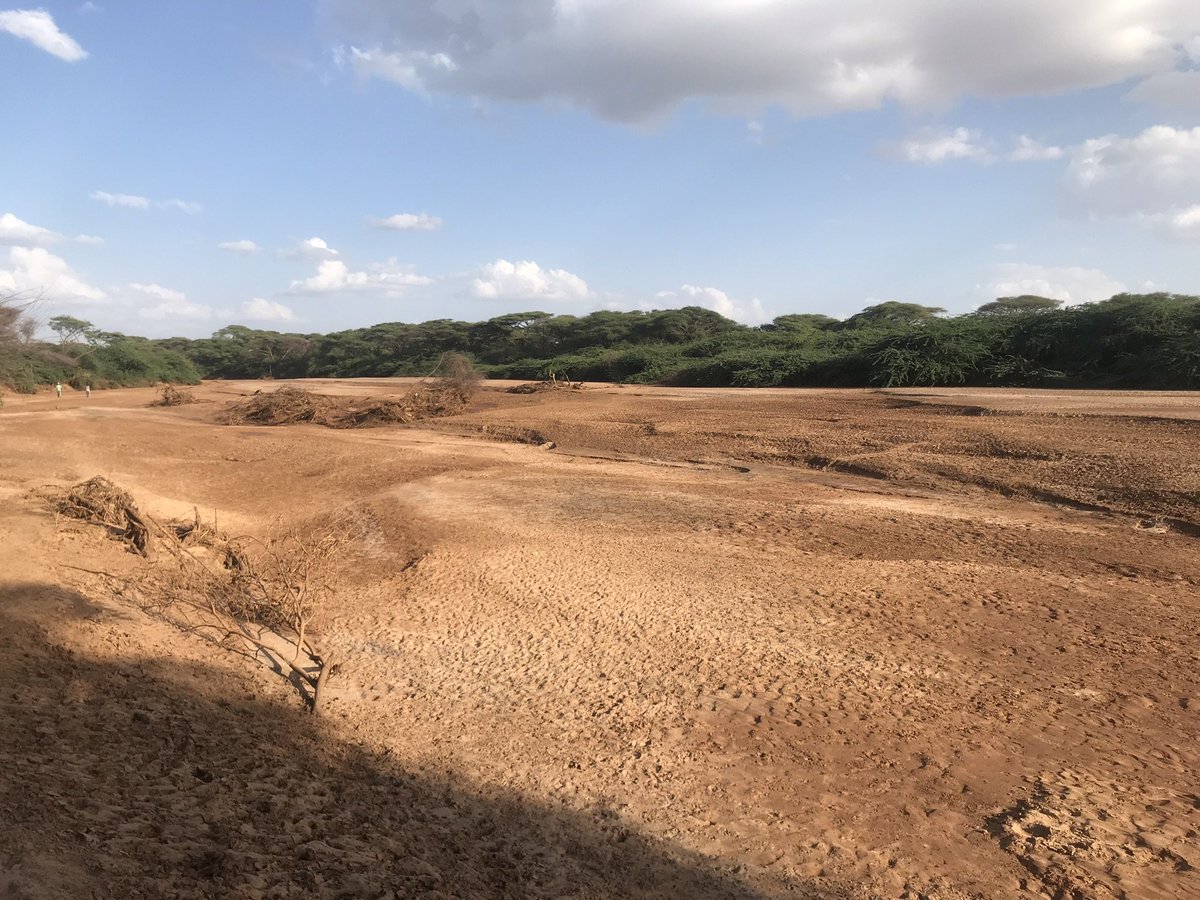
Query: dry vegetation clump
[[456, 370], [285, 406], [205, 539], [173, 396], [551, 383], [425, 402], [292, 406], [100, 502]]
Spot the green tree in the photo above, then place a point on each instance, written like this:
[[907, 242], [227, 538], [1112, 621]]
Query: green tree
[[70, 329], [892, 314], [1011, 306]]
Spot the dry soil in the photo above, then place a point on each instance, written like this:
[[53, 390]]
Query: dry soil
[[625, 642]]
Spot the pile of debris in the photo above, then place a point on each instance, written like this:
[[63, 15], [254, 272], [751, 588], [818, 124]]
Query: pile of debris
[[547, 384], [293, 406], [285, 406], [100, 502], [173, 396]]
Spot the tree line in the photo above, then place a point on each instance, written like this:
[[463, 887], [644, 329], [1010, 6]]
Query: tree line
[[1147, 341], [1129, 341], [82, 355]]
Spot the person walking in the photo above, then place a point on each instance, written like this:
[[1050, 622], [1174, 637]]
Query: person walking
[[58, 387], [88, 390]]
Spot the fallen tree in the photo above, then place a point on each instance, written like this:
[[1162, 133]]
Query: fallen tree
[[265, 594]]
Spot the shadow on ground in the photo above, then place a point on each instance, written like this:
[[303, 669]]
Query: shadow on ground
[[145, 778]]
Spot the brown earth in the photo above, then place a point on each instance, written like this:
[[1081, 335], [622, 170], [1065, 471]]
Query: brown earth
[[715, 643]]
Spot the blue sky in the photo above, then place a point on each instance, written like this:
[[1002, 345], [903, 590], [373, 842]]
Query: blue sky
[[174, 167]]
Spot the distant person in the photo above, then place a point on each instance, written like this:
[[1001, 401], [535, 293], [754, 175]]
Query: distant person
[[58, 387], [87, 389]]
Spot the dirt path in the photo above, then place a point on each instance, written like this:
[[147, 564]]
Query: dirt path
[[715, 643]]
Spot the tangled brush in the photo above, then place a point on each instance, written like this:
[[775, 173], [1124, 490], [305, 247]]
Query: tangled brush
[[172, 396], [100, 502], [293, 406]]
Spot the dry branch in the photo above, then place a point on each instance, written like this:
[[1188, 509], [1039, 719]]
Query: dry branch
[[225, 588]]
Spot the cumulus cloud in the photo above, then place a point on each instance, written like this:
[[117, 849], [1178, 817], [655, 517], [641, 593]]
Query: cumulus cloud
[[334, 277], [1152, 178], [16, 232], [133, 201], [750, 312], [1030, 150], [172, 304], [1186, 223], [633, 60], [311, 248], [1071, 284], [35, 271], [260, 310], [38, 27], [408, 222], [504, 280], [242, 247], [89, 239], [932, 146]]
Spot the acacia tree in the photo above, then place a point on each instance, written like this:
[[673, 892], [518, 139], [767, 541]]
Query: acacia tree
[[1011, 306], [69, 329]]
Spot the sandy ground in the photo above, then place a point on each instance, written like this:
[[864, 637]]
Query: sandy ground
[[714, 643]]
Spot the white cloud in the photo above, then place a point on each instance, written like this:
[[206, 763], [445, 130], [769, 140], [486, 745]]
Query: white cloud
[[1030, 150], [405, 69], [35, 271], [243, 247], [14, 231], [1152, 178], [172, 304], [37, 26], [260, 310], [932, 147], [408, 222], [334, 277], [134, 201], [130, 200], [1071, 284], [504, 280], [311, 248], [89, 239], [633, 60], [1186, 223], [750, 312], [184, 206]]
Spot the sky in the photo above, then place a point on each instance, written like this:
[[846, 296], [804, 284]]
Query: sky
[[173, 167]]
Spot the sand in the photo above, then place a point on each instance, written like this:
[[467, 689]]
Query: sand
[[714, 643]]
